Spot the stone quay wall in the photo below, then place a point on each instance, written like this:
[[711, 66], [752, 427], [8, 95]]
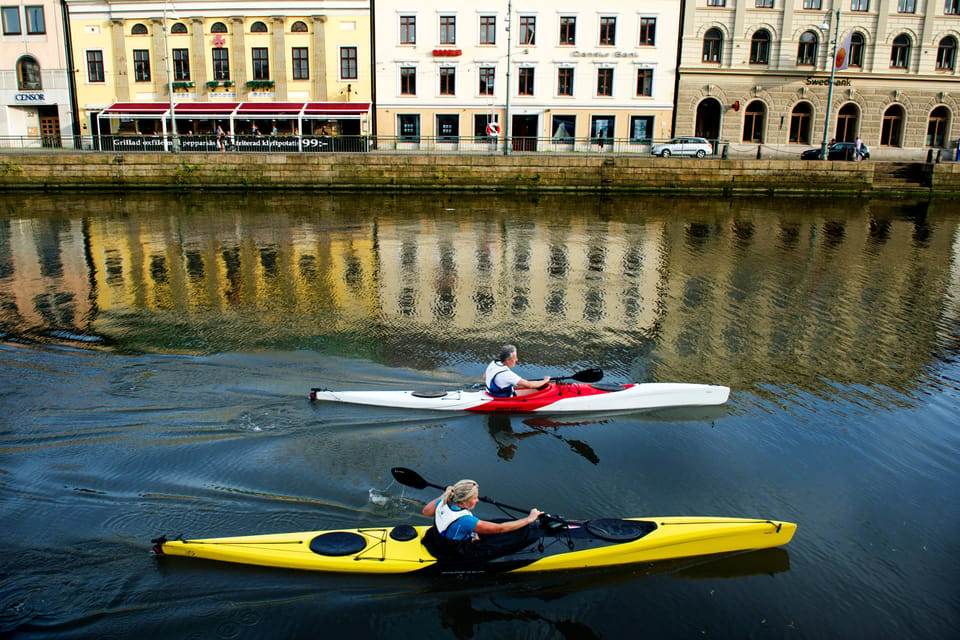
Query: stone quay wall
[[522, 172]]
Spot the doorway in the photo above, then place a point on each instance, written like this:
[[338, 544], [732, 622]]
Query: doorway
[[524, 132]]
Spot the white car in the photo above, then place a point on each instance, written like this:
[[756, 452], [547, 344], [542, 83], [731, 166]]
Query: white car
[[683, 146]]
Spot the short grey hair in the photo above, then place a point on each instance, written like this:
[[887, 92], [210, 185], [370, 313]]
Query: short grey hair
[[506, 351]]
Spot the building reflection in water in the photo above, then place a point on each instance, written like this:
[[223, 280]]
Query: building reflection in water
[[710, 290]]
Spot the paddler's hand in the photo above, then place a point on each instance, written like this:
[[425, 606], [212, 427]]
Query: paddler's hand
[[534, 514]]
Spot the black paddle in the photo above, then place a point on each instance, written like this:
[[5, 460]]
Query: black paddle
[[587, 375], [413, 479]]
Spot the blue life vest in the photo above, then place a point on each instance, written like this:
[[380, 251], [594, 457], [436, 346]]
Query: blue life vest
[[498, 391]]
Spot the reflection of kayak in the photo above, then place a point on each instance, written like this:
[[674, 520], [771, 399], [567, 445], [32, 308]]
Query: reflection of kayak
[[548, 546], [557, 397]]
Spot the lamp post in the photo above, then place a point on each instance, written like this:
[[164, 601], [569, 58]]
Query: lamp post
[[833, 73], [166, 53], [506, 115]]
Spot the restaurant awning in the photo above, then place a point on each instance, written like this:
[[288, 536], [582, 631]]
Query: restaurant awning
[[241, 110]]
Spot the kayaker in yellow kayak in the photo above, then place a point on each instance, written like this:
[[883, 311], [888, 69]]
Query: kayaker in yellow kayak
[[454, 520], [502, 382]]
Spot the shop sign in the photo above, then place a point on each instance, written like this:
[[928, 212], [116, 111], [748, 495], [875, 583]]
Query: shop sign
[[825, 82], [30, 97], [447, 53], [605, 54]]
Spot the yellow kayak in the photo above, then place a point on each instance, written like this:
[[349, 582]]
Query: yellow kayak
[[549, 545]]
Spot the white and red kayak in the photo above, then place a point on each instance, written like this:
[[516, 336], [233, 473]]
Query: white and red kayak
[[560, 397]]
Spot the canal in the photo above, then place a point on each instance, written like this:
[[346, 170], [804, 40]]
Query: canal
[[156, 352]]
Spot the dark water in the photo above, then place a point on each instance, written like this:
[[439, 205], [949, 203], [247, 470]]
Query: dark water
[[157, 354]]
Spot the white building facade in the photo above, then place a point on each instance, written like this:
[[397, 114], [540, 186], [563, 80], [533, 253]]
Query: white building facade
[[568, 75]]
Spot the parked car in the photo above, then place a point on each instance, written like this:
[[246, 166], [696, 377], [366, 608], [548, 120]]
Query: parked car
[[685, 146], [836, 151]]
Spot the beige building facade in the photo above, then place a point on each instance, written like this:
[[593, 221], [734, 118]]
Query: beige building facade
[[757, 73]]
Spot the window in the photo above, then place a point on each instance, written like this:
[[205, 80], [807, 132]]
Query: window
[[301, 63], [648, 32], [801, 120], [601, 129], [408, 30], [95, 66], [951, 7], [604, 82], [488, 30], [221, 64], [487, 77], [181, 65], [891, 130], [856, 50], [11, 21], [947, 54], [178, 28], [36, 25], [528, 29], [408, 81], [764, 4], [608, 31], [139, 30], [859, 5], [258, 27], [712, 45], [448, 30], [218, 27], [753, 122], [348, 63], [448, 81], [480, 122], [408, 125], [141, 65], [261, 63], [565, 81], [645, 82], [812, 4], [525, 86], [900, 52], [641, 129], [807, 51], [28, 74], [937, 127], [299, 27], [848, 123], [448, 128], [760, 47], [563, 128], [568, 30], [716, 3], [907, 6]]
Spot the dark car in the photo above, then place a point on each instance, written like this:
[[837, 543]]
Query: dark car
[[836, 151]]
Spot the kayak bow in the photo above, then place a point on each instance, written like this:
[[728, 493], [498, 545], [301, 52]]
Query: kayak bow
[[557, 397], [545, 546]]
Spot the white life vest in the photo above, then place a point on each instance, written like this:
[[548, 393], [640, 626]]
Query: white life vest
[[446, 515]]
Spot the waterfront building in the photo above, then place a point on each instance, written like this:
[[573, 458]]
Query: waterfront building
[[759, 73], [291, 67], [35, 106], [539, 74]]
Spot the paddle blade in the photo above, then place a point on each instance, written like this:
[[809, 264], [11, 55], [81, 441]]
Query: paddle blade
[[409, 477], [588, 375]]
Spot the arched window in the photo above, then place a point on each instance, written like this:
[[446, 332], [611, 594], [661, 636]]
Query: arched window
[[138, 30], [937, 127], [28, 74], [712, 45], [807, 51], [848, 122], [900, 52], [856, 50], [218, 27], [753, 122], [258, 27], [299, 27], [178, 27], [947, 54], [801, 119], [891, 132], [760, 47]]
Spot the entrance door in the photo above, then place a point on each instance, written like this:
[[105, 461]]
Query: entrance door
[[50, 131], [524, 132], [708, 121]]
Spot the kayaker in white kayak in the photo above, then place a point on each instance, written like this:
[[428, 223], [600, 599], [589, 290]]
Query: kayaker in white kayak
[[454, 520], [502, 382]]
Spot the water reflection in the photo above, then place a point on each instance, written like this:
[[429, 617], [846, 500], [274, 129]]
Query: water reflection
[[682, 289]]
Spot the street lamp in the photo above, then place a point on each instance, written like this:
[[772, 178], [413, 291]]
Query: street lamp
[[833, 72], [166, 53]]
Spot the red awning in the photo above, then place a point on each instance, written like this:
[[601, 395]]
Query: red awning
[[244, 110]]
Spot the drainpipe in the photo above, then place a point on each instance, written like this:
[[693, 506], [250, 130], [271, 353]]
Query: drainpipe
[[71, 80], [506, 125]]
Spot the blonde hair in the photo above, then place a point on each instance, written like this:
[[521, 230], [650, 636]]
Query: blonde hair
[[461, 491]]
